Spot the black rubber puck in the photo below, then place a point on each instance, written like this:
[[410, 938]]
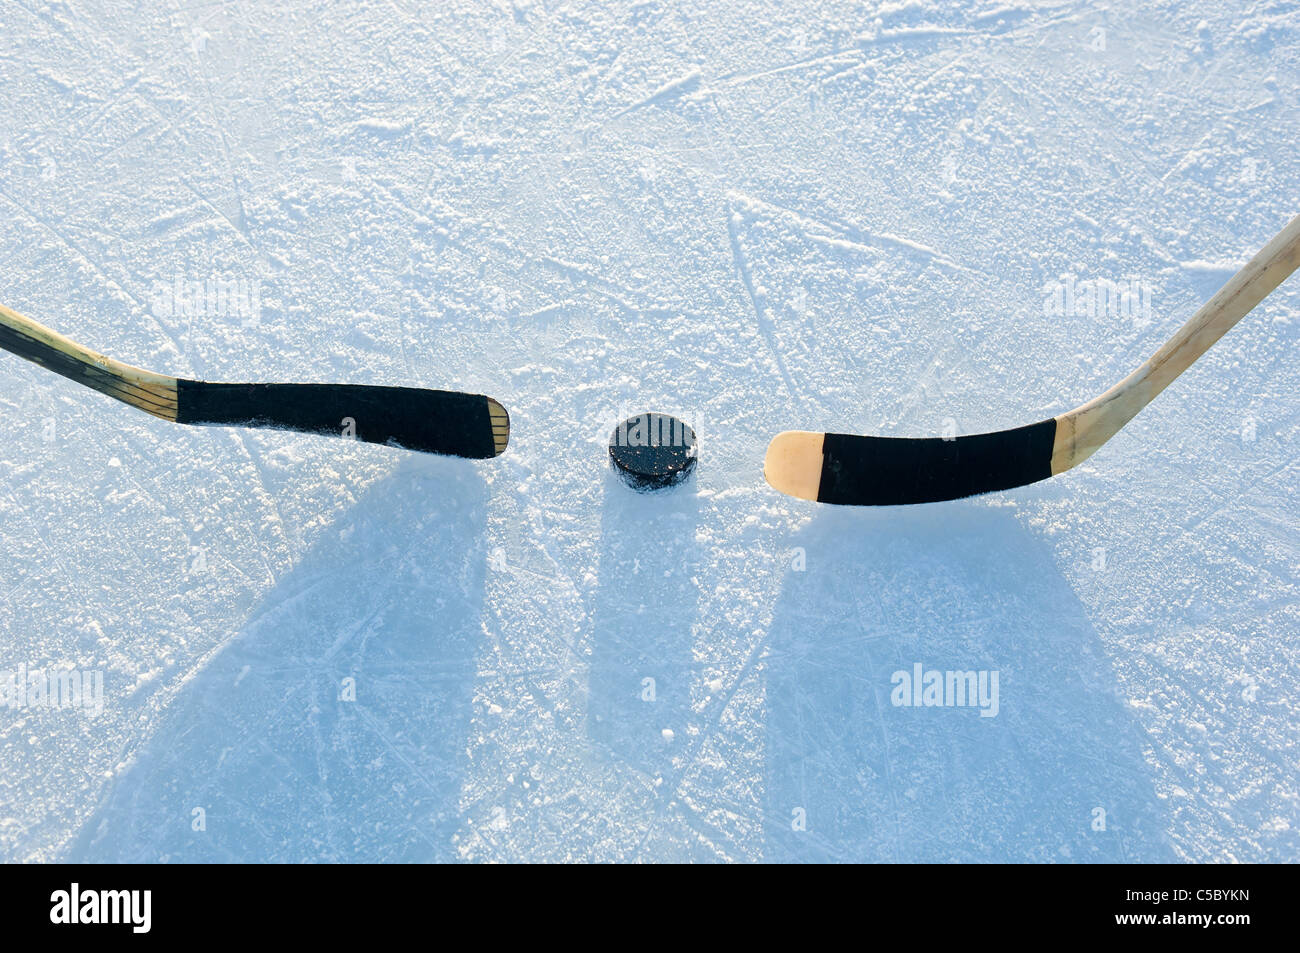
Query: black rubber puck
[[653, 451]]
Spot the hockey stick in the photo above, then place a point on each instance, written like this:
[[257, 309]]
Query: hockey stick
[[882, 471], [432, 421]]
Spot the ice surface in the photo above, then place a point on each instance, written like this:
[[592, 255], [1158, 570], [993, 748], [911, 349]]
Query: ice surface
[[755, 216]]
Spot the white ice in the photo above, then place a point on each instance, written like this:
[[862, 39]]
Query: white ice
[[757, 216]]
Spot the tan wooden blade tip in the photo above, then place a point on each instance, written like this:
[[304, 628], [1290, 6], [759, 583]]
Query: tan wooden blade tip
[[793, 463], [500, 426]]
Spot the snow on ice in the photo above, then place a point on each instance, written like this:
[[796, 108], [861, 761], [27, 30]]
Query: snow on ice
[[755, 217]]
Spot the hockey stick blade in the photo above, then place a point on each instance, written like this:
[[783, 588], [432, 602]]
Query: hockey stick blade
[[881, 471], [430, 421], [888, 471]]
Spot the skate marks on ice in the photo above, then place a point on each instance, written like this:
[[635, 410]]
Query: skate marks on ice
[[850, 776], [265, 741]]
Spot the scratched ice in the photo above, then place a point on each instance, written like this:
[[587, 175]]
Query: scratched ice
[[845, 217]]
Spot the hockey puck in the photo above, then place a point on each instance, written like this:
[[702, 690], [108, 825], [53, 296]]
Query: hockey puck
[[653, 451]]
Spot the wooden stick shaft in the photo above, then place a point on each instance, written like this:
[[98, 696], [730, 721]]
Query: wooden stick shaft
[[1081, 431], [1247, 288], [150, 392]]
